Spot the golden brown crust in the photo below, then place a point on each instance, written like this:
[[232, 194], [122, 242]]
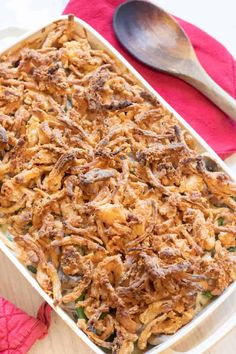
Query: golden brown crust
[[106, 195]]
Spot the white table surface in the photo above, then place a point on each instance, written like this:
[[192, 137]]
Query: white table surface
[[218, 19]]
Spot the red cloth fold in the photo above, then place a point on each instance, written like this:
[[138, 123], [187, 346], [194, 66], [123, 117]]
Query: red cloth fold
[[19, 331], [210, 122]]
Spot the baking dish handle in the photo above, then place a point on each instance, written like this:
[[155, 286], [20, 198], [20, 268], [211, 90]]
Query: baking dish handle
[[211, 340], [12, 32]]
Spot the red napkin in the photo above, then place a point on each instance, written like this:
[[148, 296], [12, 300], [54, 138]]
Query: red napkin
[[19, 331], [211, 123]]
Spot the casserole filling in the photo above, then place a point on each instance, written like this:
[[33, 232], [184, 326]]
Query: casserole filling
[[105, 197]]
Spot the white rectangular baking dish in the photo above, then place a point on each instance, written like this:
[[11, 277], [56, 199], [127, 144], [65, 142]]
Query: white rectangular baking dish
[[98, 41]]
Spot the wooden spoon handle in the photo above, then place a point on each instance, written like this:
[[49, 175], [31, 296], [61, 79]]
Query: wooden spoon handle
[[204, 83]]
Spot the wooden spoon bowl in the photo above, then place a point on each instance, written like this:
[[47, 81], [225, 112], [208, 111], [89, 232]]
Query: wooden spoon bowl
[[155, 38]]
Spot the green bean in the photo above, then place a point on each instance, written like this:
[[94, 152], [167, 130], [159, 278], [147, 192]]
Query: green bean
[[80, 310], [80, 313], [102, 316], [208, 294], [32, 269], [231, 249], [111, 337], [221, 221]]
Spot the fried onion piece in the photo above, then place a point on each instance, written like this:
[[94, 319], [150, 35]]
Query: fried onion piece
[[78, 290], [56, 283], [96, 175], [95, 338], [56, 175], [77, 240], [154, 310], [148, 330]]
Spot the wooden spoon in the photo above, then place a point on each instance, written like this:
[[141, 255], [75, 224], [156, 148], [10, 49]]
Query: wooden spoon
[[156, 39]]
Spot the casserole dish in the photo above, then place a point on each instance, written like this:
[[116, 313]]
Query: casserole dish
[[97, 42]]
